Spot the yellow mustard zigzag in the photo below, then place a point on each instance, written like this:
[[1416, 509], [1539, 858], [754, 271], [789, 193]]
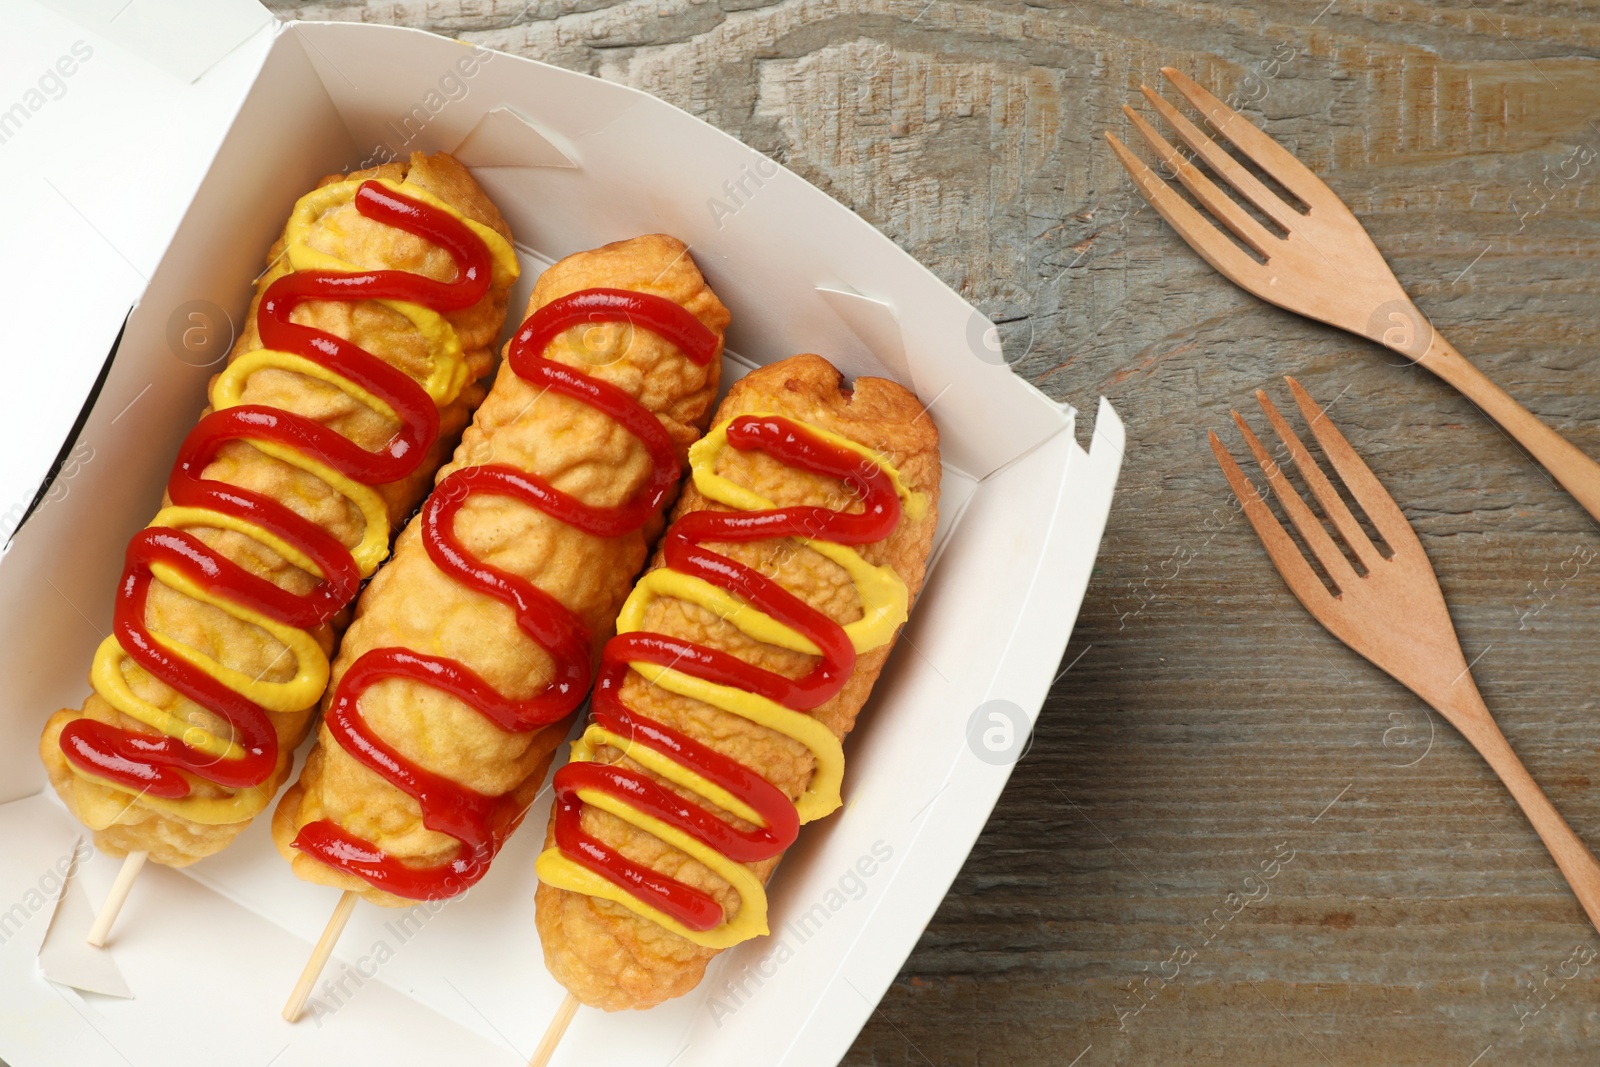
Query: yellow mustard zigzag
[[884, 606]]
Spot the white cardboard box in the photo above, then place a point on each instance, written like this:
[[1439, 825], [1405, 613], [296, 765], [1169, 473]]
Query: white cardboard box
[[155, 175]]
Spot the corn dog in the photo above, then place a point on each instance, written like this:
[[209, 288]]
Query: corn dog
[[349, 384], [472, 647], [737, 670]]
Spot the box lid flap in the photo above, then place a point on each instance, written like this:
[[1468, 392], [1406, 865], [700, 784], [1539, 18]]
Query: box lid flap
[[109, 120], [185, 40]]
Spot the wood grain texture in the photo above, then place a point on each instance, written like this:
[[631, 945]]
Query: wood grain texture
[[1210, 725]]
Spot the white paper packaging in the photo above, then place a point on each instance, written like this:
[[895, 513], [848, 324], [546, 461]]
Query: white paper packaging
[[246, 115]]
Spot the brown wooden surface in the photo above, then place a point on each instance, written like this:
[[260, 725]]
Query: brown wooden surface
[[1209, 720]]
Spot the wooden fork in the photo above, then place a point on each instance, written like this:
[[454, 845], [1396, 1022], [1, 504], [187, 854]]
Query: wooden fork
[[1392, 611], [1324, 267]]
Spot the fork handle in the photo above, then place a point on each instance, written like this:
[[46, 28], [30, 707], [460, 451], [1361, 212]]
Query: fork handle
[[1577, 863], [1576, 472]]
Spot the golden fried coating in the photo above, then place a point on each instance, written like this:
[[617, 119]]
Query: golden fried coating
[[412, 604], [605, 954], [120, 821]]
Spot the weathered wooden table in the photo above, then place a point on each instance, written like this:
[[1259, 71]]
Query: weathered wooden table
[[1208, 731]]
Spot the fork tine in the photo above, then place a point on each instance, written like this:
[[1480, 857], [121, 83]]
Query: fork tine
[[1333, 505], [1311, 532], [1223, 165], [1363, 484], [1266, 153], [1213, 199], [1203, 236], [1281, 549]]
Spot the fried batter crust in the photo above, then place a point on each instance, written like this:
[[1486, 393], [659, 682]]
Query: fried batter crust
[[602, 952], [412, 604], [121, 823]]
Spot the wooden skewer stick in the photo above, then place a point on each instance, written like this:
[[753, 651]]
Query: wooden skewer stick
[[116, 898], [319, 955], [552, 1036]]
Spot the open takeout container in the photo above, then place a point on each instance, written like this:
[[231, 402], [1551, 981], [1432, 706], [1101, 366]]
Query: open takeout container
[[156, 179]]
